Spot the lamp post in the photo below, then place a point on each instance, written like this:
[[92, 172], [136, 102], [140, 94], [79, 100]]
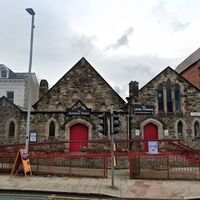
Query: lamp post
[[32, 13]]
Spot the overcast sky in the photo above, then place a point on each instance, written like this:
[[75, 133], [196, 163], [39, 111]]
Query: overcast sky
[[123, 40]]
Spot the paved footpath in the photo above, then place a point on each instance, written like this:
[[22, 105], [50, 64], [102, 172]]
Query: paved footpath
[[123, 187]]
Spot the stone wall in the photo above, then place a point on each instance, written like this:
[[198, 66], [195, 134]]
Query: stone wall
[[190, 101]]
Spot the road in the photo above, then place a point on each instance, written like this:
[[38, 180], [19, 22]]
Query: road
[[22, 196]]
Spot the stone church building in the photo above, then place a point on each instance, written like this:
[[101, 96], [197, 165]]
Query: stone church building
[[167, 107]]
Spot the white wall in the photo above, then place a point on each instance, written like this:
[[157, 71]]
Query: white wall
[[17, 86]]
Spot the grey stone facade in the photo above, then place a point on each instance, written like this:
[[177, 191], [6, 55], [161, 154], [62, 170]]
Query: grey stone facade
[[167, 121], [83, 89], [92, 93]]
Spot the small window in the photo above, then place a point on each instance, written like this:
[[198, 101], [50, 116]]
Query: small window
[[196, 129], [103, 108], [52, 129], [3, 73], [180, 129], [75, 97], [12, 129], [89, 100], [60, 107], [10, 96], [160, 99]]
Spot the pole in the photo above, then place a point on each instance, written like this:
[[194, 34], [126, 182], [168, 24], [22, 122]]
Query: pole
[[112, 146], [128, 132], [29, 86]]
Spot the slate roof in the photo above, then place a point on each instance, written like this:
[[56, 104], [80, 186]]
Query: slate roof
[[194, 57]]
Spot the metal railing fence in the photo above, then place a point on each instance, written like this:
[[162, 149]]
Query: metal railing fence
[[173, 161]]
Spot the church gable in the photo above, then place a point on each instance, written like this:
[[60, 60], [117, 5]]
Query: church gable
[[7, 106], [82, 82], [168, 92], [167, 75]]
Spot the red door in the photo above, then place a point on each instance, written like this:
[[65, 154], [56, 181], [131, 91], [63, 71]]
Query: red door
[[150, 133], [78, 132]]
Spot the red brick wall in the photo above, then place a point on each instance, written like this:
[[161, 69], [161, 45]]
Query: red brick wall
[[192, 74]]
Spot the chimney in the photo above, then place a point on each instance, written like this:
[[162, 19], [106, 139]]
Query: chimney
[[44, 87], [133, 88]]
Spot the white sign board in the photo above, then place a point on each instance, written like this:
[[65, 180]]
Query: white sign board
[[195, 114], [153, 147], [33, 137]]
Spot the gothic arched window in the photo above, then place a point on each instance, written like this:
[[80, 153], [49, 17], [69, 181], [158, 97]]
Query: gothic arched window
[[103, 108], [12, 129], [180, 129], [60, 107], [89, 100], [75, 97], [52, 129], [196, 129]]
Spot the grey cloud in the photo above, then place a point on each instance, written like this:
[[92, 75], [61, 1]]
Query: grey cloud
[[118, 71], [159, 10], [179, 26], [123, 40], [83, 44]]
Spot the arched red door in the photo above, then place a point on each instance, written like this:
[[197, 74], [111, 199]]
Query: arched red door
[[150, 133], [78, 132]]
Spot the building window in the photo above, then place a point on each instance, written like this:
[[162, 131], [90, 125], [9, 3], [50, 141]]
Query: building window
[[3, 73], [103, 108], [180, 129], [12, 129], [160, 99], [89, 100], [75, 97], [60, 107], [10, 96], [196, 129], [177, 99], [169, 100], [52, 129], [169, 96]]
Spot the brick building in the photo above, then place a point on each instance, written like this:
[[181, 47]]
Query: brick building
[[167, 107], [190, 68]]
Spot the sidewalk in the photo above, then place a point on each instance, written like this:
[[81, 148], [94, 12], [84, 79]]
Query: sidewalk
[[124, 187]]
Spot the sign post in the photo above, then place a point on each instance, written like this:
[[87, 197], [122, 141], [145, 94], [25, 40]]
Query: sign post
[[112, 145], [21, 158]]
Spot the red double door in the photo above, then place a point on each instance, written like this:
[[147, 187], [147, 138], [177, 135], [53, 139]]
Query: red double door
[[150, 133], [78, 132]]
